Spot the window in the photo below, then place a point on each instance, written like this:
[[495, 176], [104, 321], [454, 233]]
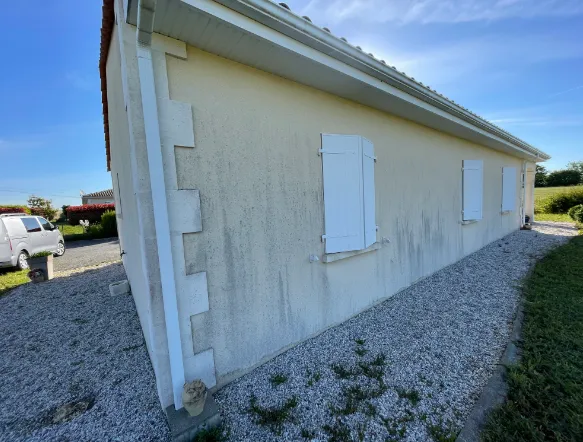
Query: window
[[349, 192], [472, 189], [508, 189], [31, 224], [45, 224]]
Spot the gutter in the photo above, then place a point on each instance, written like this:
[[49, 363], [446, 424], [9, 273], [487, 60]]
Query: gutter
[[302, 29], [145, 24]]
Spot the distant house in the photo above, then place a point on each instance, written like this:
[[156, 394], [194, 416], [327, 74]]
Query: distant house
[[276, 180], [101, 197]]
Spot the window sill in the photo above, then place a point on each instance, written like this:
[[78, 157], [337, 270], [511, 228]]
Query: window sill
[[469, 221], [331, 257]]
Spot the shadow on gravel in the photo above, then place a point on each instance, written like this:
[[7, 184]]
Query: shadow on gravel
[[74, 365], [90, 242]]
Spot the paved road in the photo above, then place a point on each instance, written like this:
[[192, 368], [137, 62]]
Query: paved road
[[87, 253]]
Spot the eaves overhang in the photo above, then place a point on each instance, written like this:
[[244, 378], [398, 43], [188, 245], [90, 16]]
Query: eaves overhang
[[270, 37]]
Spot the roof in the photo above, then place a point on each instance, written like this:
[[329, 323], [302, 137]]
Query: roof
[[101, 194], [107, 22], [280, 18]]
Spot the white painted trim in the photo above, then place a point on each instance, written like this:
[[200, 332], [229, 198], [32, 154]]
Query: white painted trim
[[158, 186], [331, 257]]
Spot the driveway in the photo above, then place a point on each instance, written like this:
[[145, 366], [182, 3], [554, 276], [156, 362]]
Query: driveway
[[68, 341], [87, 253]]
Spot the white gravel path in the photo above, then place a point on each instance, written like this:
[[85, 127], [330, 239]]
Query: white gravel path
[[68, 340], [441, 337]]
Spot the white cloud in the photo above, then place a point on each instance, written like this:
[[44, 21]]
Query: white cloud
[[543, 115], [540, 121], [493, 57], [52, 136], [573, 89], [437, 11], [82, 81]]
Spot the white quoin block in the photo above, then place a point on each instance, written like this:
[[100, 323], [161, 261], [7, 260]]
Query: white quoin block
[[184, 210]]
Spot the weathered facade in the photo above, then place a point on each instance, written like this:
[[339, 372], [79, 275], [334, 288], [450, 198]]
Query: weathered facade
[[218, 163]]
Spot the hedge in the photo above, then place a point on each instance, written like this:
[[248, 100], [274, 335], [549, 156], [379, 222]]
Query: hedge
[[89, 212], [14, 209], [561, 202]]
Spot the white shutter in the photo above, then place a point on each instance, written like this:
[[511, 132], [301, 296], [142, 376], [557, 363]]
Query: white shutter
[[370, 227], [473, 189], [508, 189], [343, 205]]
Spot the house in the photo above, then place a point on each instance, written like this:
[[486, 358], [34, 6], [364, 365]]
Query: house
[[101, 197], [272, 180]]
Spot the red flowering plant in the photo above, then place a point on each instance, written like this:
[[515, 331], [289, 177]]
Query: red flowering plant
[[87, 212], [14, 209]]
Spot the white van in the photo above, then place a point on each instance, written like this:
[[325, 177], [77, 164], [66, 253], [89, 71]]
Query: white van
[[22, 235]]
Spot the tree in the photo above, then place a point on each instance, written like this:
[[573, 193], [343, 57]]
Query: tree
[[540, 177], [576, 165], [41, 207], [567, 177]]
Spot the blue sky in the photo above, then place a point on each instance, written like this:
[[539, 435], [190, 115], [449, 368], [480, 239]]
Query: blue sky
[[518, 63], [51, 128]]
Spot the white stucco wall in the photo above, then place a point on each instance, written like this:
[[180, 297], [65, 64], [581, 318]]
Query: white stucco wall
[[255, 162], [529, 186], [97, 200], [134, 211]]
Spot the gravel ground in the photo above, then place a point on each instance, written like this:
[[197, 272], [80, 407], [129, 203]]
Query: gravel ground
[[68, 341], [87, 253], [441, 337]]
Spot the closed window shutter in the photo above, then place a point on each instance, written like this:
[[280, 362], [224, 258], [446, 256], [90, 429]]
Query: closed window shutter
[[343, 193], [370, 228], [473, 189], [508, 188]]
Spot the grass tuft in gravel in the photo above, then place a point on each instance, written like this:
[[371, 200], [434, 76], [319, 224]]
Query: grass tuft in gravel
[[278, 379], [339, 432], [412, 395], [307, 434], [274, 417], [313, 378], [215, 434], [442, 432], [546, 386], [360, 351], [341, 371]]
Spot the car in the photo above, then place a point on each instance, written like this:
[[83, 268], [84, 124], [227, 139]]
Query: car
[[23, 235]]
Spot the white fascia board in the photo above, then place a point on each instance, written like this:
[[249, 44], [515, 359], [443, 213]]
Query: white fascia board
[[282, 27]]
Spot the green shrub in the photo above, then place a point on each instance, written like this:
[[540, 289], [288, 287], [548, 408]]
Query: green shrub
[[561, 202], [40, 254], [109, 223], [576, 213]]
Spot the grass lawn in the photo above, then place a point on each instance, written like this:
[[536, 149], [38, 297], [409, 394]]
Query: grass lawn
[[10, 279], [67, 229], [76, 233], [557, 217], [540, 193], [545, 398]]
